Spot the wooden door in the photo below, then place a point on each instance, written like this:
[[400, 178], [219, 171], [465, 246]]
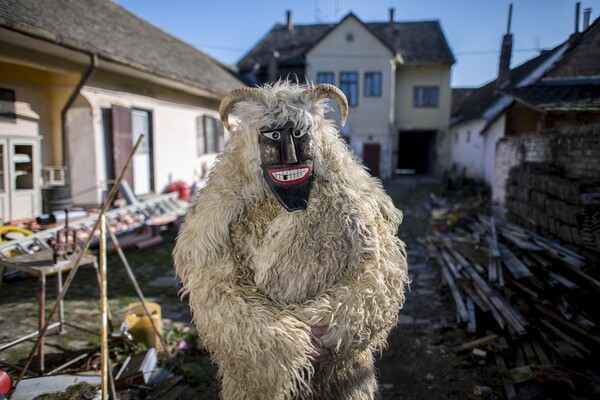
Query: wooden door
[[122, 141], [371, 157]]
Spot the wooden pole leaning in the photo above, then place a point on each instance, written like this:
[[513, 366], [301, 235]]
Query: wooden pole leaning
[[75, 261], [103, 311], [137, 288]]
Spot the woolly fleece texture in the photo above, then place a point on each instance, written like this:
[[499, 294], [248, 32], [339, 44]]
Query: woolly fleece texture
[[258, 277]]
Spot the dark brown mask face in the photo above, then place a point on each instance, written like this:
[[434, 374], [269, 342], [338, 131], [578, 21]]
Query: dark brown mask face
[[287, 161]]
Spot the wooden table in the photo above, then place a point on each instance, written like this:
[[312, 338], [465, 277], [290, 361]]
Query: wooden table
[[41, 264]]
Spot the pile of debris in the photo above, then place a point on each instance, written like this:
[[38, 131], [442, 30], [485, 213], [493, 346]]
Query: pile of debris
[[530, 301]]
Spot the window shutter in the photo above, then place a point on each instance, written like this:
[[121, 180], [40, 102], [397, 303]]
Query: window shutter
[[220, 134], [122, 141], [200, 140]]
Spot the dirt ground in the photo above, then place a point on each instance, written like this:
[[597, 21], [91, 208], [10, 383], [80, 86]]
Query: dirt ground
[[418, 364]]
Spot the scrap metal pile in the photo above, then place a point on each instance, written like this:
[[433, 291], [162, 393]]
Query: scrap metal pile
[[529, 301]]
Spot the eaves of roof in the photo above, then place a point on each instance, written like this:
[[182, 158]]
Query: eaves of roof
[[567, 95]]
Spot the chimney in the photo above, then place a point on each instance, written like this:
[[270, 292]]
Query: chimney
[[587, 13], [290, 25], [392, 16], [273, 67], [577, 6], [505, 54]]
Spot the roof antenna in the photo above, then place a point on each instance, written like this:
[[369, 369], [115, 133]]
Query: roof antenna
[[509, 18]]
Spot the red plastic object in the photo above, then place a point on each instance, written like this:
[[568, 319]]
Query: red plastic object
[[5, 383], [180, 187]]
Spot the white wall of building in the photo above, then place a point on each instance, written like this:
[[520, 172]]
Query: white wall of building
[[473, 152], [467, 149], [174, 138]]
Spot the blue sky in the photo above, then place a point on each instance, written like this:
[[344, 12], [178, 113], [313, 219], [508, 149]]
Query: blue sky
[[227, 29]]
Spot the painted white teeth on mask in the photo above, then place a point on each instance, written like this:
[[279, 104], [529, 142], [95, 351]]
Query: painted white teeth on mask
[[290, 174]]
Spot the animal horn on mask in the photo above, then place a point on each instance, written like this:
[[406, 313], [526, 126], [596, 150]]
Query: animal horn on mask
[[234, 97], [327, 91]]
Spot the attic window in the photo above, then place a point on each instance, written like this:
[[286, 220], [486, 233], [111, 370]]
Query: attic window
[[349, 37], [7, 104]]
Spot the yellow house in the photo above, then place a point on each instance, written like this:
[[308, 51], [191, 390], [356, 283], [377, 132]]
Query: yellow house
[[396, 76], [79, 83]]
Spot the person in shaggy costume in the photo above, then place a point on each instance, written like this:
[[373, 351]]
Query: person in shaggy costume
[[290, 255]]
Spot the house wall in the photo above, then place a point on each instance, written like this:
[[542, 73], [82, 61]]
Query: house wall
[[30, 100], [370, 121], [467, 149], [174, 138], [407, 117], [40, 97], [85, 149], [31, 122], [490, 141], [475, 158]]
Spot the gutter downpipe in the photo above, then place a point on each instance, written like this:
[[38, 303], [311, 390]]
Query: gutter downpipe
[[69, 103]]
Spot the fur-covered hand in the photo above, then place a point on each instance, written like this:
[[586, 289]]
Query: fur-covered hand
[[320, 354]]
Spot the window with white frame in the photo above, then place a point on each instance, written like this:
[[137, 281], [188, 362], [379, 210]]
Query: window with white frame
[[349, 85], [425, 96], [325, 77], [372, 84], [210, 137]]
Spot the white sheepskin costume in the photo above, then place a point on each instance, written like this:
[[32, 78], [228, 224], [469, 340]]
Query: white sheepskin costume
[[259, 277]]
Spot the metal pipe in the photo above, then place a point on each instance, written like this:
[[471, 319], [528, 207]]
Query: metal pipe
[[577, 7], [28, 336], [103, 313], [76, 260], [73, 361], [587, 13], [69, 103]]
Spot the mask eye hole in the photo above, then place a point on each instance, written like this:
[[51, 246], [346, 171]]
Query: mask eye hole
[[274, 135], [298, 133]]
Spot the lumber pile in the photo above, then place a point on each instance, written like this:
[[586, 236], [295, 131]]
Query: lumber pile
[[531, 301], [541, 198]]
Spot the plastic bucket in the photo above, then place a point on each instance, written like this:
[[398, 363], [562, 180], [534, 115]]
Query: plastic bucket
[[140, 325]]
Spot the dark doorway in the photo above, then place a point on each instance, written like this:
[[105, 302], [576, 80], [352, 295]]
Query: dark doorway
[[371, 157], [416, 151]]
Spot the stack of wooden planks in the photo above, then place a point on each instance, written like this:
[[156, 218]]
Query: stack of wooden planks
[[540, 197], [535, 298]]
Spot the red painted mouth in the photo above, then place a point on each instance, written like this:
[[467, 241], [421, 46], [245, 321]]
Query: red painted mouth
[[290, 175]]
